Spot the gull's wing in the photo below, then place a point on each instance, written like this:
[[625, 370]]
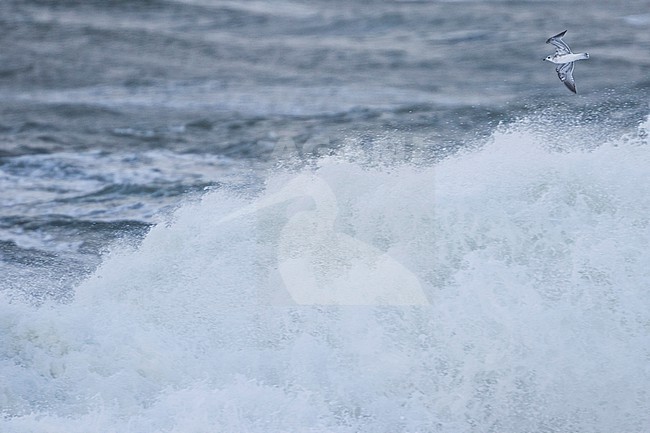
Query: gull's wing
[[565, 72], [560, 46]]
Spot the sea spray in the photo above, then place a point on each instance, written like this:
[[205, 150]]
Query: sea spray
[[531, 260]]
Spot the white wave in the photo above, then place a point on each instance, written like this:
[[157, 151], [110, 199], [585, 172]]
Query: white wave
[[531, 259]]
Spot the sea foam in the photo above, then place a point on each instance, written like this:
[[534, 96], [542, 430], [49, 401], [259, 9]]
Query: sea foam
[[502, 289]]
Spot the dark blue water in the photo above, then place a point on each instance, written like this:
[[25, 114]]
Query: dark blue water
[[323, 216]]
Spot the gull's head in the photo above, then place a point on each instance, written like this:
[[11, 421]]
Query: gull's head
[[547, 58]]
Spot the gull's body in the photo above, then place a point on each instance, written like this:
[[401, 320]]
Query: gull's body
[[564, 58]]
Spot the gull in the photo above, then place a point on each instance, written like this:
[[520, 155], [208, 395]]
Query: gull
[[564, 60]]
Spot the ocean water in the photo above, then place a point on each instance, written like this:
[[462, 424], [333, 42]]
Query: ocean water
[[292, 216]]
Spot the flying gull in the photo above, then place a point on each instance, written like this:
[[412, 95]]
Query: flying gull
[[564, 59]]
